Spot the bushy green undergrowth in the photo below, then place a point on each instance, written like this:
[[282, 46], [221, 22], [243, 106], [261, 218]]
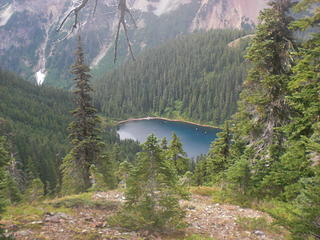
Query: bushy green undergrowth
[[204, 191], [198, 237], [84, 200], [26, 212], [260, 223]]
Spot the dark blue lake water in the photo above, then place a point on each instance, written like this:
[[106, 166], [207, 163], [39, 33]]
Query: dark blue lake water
[[196, 140]]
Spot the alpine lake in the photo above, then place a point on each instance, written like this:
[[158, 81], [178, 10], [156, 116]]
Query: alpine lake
[[196, 139]]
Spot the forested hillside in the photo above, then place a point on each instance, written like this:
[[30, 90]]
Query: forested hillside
[[35, 120], [38, 118], [194, 77]]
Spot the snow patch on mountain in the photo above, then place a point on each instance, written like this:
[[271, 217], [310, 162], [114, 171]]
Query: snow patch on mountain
[[5, 14], [40, 76]]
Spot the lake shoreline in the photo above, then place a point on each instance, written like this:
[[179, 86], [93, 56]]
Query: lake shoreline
[[165, 119]]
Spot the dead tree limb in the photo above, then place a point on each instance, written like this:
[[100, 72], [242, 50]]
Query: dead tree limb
[[74, 11], [95, 7], [123, 9]]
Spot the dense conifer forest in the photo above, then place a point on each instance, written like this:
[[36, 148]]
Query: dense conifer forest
[[34, 120], [264, 93], [194, 77]]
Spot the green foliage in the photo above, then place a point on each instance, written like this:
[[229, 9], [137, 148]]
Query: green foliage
[[35, 191], [260, 223], [198, 237], [203, 191], [83, 200], [301, 218], [218, 156], [107, 169], [283, 179], [97, 179], [197, 75], [84, 131], [73, 181], [176, 155], [152, 193], [274, 145], [123, 172], [36, 121], [4, 159], [238, 175], [11, 191], [253, 142]]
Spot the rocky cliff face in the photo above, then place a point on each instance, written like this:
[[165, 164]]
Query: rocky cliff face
[[227, 14], [31, 46]]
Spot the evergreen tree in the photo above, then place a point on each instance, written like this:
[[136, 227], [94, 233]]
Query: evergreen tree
[[200, 174], [123, 172], [153, 192], [263, 109], [304, 130], [4, 159], [164, 143], [108, 168], [84, 130], [206, 90], [177, 156], [218, 156]]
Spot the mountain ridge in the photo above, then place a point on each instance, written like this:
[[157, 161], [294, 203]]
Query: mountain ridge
[[47, 58]]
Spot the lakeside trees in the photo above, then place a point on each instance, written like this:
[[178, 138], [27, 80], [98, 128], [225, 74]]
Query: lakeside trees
[[197, 76]]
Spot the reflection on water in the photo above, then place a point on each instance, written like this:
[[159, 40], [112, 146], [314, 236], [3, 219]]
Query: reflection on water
[[196, 140]]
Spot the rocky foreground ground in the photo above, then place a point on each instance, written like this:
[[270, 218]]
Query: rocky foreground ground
[[78, 218]]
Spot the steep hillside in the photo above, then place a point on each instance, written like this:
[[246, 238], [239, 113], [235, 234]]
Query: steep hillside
[[36, 119], [39, 117], [31, 46], [195, 77]]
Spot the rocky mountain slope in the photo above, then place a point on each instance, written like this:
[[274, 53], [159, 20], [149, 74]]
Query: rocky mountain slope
[[31, 46]]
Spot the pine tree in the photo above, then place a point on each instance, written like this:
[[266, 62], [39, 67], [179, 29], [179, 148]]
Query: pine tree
[[177, 155], [304, 220], [263, 108], [152, 192], [123, 172], [4, 159], [84, 131], [218, 156]]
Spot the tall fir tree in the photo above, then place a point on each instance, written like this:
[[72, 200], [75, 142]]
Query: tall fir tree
[[263, 108], [304, 131], [84, 131]]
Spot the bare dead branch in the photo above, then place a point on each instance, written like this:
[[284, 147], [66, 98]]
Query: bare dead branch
[[123, 9], [132, 18], [128, 41], [95, 7], [74, 11]]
